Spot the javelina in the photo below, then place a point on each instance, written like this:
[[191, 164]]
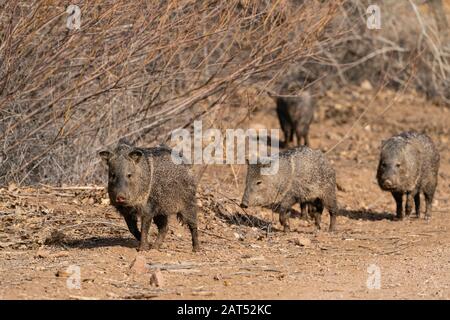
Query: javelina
[[295, 114], [146, 183], [304, 176], [409, 164]]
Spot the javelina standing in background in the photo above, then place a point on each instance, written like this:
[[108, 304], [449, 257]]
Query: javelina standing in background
[[146, 183], [295, 114], [409, 164], [304, 176]]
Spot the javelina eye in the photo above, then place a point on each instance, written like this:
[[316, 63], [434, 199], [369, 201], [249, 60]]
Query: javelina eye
[[258, 182], [129, 175], [397, 165]]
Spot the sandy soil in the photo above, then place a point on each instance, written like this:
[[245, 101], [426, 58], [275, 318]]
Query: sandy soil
[[47, 233]]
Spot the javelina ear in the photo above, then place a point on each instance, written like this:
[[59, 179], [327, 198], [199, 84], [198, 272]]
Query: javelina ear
[[136, 155], [105, 155]]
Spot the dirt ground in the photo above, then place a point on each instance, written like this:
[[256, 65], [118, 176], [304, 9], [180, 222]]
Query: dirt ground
[[48, 234]]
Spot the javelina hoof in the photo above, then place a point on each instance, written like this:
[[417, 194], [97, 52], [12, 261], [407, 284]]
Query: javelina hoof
[[196, 249], [155, 246], [144, 247]]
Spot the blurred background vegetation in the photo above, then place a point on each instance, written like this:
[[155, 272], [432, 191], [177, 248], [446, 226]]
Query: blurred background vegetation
[[140, 69]]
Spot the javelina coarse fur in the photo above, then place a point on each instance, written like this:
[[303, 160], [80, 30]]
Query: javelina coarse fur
[[295, 115], [304, 176], [146, 183], [295, 112], [409, 164]]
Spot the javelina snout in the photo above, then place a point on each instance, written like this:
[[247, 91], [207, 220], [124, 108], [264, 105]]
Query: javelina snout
[[388, 173]]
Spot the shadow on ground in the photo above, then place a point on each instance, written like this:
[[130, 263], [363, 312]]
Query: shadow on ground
[[245, 219], [366, 215], [97, 242]]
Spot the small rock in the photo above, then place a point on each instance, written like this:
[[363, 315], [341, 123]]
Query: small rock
[[139, 265], [88, 201], [61, 273], [12, 186], [156, 279], [217, 277], [281, 276], [338, 106], [42, 254], [366, 85], [238, 236], [60, 254], [303, 242]]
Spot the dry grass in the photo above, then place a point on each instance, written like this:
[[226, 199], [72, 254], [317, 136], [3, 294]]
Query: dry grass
[[135, 68], [142, 68]]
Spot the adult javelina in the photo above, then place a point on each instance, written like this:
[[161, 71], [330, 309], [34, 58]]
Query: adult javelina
[[146, 183], [304, 176], [295, 114], [409, 164]]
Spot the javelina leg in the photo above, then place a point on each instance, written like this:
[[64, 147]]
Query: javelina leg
[[304, 210], [284, 219], [399, 201], [145, 226], [409, 204], [285, 127], [131, 221], [291, 137], [161, 222], [299, 137], [306, 137], [191, 220], [428, 201], [417, 203], [333, 214], [194, 234], [318, 214], [311, 210]]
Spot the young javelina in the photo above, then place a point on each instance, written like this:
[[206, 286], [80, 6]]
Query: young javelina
[[295, 115], [304, 176], [409, 164], [146, 183]]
